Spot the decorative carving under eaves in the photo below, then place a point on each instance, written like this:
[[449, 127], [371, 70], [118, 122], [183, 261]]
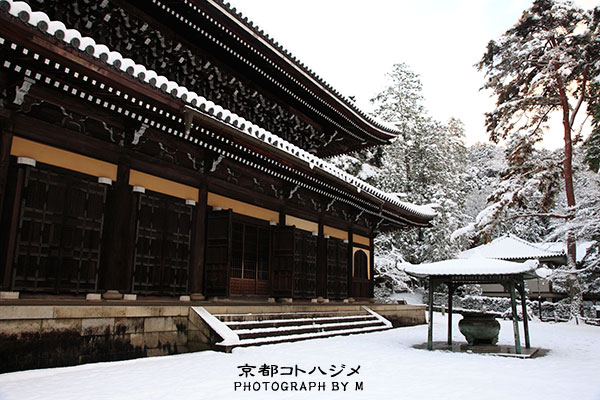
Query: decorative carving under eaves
[[232, 176], [276, 192], [21, 91], [197, 164], [167, 154], [135, 39], [257, 186]]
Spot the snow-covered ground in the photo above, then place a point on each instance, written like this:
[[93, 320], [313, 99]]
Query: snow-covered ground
[[386, 364]]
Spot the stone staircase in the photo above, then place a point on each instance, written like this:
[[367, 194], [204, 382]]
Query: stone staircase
[[258, 328]]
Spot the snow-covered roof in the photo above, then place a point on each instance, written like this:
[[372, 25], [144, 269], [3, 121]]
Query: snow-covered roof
[[472, 266], [561, 247], [74, 38], [510, 248]]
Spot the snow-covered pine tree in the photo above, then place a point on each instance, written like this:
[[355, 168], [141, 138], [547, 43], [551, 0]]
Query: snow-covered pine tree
[[545, 64], [524, 196], [425, 164], [485, 163]]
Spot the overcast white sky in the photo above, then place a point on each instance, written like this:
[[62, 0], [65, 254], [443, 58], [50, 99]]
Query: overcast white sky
[[352, 44]]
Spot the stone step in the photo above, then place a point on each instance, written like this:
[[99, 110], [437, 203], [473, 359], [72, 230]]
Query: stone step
[[269, 323], [306, 336], [305, 329], [286, 315], [247, 329]]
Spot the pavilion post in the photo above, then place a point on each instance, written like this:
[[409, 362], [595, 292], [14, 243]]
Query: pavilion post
[[525, 319], [515, 316], [430, 327], [451, 289]]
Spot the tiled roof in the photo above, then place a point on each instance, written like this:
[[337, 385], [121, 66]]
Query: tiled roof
[[472, 266], [510, 248]]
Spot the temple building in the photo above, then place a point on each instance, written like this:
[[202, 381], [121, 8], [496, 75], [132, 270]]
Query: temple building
[[172, 149]]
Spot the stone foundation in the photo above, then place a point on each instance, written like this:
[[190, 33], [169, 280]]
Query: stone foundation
[[53, 336], [46, 336]]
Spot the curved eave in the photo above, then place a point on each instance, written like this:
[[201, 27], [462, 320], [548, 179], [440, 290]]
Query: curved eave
[[290, 68]]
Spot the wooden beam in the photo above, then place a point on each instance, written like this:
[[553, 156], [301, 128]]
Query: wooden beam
[[515, 316]]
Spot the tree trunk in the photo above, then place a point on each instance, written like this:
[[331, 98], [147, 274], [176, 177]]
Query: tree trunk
[[575, 294]]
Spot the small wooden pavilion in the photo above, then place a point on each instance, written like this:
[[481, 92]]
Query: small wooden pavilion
[[455, 273]]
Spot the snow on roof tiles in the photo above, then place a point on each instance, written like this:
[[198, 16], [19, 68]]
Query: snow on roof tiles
[[471, 266], [41, 21], [561, 248], [509, 248]]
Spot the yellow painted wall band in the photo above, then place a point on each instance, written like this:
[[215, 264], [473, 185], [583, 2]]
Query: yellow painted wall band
[[161, 185], [61, 158], [335, 233], [215, 200], [361, 240], [301, 223]]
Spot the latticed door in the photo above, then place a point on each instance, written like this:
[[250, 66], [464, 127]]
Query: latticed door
[[305, 264], [337, 269], [250, 247], [59, 234], [218, 234], [282, 281], [162, 248]]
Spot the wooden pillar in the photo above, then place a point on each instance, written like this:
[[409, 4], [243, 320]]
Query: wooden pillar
[[524, 310], [350, 274], [13, 211], [5, 145], [197, 257], [321, 263], [451, 288], [117, 266], [372, 266], [513, 304], [430, 326]]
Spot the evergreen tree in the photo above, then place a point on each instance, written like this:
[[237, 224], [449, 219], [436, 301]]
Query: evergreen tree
[[545, 63], [591, 146], [524, 196], [485, 163], [425, 164]]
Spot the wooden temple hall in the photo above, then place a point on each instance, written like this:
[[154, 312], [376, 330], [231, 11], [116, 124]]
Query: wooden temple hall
[[171, 148]]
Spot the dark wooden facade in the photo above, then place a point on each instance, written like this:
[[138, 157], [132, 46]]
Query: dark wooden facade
[[108, 182]]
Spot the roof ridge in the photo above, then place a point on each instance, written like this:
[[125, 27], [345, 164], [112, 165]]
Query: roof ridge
[[534, 245]]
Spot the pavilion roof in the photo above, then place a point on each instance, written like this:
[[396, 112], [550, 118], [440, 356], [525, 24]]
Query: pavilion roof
[[474, 267], [511, 247]]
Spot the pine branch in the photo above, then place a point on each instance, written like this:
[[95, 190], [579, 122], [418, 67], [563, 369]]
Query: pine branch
[[558, 273], [541, 215]]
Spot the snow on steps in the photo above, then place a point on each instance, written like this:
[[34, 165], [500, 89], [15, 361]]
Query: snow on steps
[[265, 328]]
